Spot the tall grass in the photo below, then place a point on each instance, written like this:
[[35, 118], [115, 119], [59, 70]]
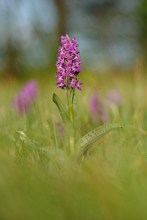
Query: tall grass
[[39, 180]]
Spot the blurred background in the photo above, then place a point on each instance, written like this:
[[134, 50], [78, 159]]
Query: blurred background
[[112, 34]]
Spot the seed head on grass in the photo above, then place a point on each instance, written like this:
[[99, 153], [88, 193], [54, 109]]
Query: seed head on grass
[[68, 64]]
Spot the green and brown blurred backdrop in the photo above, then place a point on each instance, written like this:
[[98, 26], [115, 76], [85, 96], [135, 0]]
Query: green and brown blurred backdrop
[[112, 34]]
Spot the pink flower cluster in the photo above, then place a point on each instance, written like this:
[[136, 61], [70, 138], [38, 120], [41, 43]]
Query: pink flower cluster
[[97, 109], [68, 64], [25, 97], [113, 97]]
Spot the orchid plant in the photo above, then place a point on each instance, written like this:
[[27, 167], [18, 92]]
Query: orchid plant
[[68, 69]]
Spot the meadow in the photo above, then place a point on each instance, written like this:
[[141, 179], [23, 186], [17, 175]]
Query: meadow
[[39, 179]]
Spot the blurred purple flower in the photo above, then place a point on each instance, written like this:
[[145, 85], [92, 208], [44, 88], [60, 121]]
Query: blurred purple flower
[[68, 64], [25, 97], [97, 109], [113, 97], [60, 128]]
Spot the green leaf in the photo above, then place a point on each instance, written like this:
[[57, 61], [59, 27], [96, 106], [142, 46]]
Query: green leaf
[[61, 108], [94, 135]]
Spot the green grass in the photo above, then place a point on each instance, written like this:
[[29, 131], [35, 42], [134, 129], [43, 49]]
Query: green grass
[[38, 178]]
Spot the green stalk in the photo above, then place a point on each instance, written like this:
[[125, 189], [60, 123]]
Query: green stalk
[[71, 107], [70, 100]]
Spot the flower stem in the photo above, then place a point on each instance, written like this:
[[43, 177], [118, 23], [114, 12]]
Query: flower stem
[[70, 100]]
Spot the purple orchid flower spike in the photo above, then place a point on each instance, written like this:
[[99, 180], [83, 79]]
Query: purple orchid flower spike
[[68, 64], [97, 109], [25, 97]]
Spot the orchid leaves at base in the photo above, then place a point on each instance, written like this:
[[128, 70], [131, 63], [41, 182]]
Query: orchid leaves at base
[[85, 142], [61, 108], [93, 136]]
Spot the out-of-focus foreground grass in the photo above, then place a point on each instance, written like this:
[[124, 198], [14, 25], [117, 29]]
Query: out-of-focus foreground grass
[[38, 180]]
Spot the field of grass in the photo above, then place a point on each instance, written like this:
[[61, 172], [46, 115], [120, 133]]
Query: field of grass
[[38, 177]]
